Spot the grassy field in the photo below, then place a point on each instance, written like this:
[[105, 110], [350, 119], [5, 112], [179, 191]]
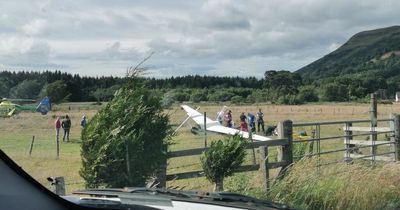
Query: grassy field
[[16, 135]]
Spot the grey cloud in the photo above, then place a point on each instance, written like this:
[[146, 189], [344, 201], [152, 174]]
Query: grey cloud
[[112, 53], [191, 36], [35, 27], [23, 52], [223, 15], [186, 48]]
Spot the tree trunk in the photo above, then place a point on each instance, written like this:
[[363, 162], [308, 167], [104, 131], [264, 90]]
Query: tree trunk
[[219, 186]]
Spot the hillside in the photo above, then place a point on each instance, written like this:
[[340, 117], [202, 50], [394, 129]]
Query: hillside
[[368, 53]]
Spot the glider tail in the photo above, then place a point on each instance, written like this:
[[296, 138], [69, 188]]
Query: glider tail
[[44, 106]]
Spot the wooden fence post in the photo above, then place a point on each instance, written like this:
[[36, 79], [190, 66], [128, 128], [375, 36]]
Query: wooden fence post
[[58, 183], [253, 150], [349, 147], [205, 130], [162, 172], [60, 186], [30, 149], [395, 126], [162, 176], [285, 153], [58, 144], [279, 154], [264, 171], [374, 124]]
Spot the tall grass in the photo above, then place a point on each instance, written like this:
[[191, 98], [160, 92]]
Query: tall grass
[[340, 186]]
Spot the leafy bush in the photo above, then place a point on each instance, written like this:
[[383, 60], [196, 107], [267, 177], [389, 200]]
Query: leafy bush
[[167, 100], [125, 142], [308, 94], [335, 92], [181, 96], [104, 94], [221, 95], [260, 95], [251, 99], [198, 96], [57, 91], [237, 99], [222, 158], [27, 89]]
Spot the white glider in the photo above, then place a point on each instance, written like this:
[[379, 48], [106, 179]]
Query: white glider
[[214, 126]]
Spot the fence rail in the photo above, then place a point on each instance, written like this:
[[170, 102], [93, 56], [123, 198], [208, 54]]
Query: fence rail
[[285, 143], [252, 145], [285, 154]]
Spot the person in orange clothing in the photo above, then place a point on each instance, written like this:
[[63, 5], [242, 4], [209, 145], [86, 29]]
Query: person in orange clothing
[[243, 124], [57, 126]]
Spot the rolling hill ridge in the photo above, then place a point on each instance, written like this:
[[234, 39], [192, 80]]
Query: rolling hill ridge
[[369, 53]]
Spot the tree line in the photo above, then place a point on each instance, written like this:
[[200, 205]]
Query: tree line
[[280, 87]]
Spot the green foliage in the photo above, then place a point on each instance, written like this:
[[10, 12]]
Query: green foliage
[[251, 99], [364, 52], [56, 91], [27, 89], [198, 95], [366, 63], [181, 96], [300, 149], [237, 99], [131, 129], [335, 92], [282, 86], [307, 93], [260, 95], [4, 88], [221, 95], [105, 94], [223, 157], [201, 82], [289, 99], [284, 82], [167, 100], [242, 183], [238, 183]]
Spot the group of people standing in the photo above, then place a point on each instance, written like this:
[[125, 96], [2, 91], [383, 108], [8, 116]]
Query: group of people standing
[[246, 122], [66, 125], [249, 122]]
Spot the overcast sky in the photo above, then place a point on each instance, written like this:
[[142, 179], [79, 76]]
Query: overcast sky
[[216, 37]]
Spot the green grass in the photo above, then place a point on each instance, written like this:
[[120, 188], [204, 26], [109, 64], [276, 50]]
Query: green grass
[[16, 134]]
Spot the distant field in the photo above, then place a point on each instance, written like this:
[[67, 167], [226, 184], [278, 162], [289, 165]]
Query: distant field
[[16, 134]]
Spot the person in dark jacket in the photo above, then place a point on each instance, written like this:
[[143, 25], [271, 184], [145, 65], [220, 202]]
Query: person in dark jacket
[[260, 121], [66, 125], [83, 121]]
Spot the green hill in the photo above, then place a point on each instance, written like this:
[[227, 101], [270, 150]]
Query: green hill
[[374, 53]]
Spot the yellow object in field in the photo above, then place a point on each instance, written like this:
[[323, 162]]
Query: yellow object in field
[[11, 112], [301, 136]]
